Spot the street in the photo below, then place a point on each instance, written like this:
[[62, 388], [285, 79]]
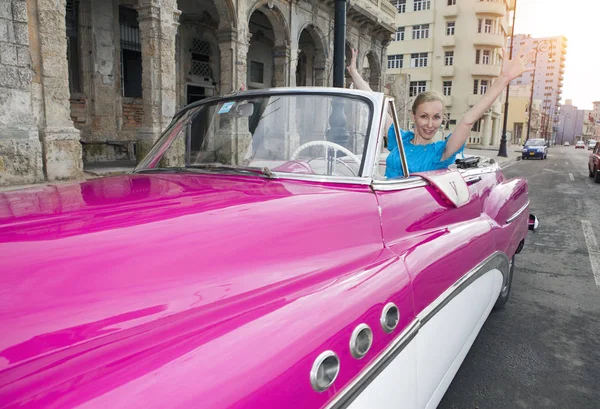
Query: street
[[541, 350]]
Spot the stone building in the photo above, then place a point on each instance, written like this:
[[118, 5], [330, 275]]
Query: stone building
[[84, 81]]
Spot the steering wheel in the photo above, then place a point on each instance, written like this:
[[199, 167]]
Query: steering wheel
[[327, 144]]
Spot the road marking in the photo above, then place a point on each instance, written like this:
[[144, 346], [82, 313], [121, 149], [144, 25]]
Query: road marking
[[592, 246], [571, 177], [509, 165]]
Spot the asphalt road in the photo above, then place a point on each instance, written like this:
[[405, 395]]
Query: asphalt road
[[543, 349]]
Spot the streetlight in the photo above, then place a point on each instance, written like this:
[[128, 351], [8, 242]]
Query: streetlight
[[543, 45], [502, 149], [562, 134]]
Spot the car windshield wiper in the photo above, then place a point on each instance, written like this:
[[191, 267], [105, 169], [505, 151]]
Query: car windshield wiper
[[160, 170], [208, 168], [233, 169]]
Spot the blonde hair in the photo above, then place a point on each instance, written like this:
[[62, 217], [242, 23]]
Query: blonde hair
[[427, 96]]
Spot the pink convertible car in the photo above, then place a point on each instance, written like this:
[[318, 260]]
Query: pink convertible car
[[256, 258]]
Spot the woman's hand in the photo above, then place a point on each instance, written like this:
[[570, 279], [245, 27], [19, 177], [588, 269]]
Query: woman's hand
[[515, 67], [352, 65]]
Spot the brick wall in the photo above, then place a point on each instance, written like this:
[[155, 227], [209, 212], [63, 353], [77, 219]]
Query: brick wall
[[78, 111], [133, 111]]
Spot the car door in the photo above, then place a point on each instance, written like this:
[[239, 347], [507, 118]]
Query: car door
[[441, 244], [594, 159]]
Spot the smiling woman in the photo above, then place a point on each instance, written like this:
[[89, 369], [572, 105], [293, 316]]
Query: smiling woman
[[427, 112]]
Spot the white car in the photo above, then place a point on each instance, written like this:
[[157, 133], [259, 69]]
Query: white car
[[591, 144], [580, 145], [566, 143]]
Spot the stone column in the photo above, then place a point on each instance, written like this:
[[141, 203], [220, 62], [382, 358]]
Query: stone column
[[20, 147], [487, 130], [60, 139], [104, 92], [158, 27], [495, 131], [281, 57], [233, 55]]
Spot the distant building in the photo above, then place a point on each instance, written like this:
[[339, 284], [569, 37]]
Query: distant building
[[454, 47], [570, 123], [549, 73], [518, 114]]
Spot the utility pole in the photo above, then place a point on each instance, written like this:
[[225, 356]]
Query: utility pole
[[338, 132], [339, 43], [502, 150]]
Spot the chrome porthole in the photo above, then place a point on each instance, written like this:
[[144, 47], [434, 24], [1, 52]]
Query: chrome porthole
[[390, 317], [324, 371], [361, 341]]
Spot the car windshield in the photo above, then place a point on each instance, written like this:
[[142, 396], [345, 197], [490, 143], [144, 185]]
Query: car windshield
[[535, 142], [311, 134]]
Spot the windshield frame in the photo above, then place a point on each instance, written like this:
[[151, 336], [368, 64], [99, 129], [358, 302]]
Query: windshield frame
[[528, 144], [374, 100]]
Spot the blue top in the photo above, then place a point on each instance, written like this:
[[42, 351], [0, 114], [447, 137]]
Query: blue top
[[420, 158]]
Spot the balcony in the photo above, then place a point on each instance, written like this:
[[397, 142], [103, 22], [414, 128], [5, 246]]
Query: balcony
[[447, 71], [449, 41], [489, 40], [418, 74], [449, 11], [485, 70], [497, 107], [497, 9], [414, 17], [377, 14], [447, 100]]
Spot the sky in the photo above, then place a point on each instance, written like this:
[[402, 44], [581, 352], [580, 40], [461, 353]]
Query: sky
[[579, 21]]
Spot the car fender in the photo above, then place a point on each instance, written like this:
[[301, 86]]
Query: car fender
[[507, 207]]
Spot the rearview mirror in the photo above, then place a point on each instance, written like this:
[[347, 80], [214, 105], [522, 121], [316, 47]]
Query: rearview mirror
[[244, 110], [533, 223]]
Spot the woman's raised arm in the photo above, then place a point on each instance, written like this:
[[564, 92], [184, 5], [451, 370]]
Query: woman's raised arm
[[511, 69], [363, 85]]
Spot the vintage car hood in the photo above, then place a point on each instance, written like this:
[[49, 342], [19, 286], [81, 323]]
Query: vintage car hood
[[153, 290]]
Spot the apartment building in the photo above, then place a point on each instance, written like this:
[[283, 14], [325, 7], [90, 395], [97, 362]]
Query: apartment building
[[119, 70], [549, 72], [454, 47], [570, 123]]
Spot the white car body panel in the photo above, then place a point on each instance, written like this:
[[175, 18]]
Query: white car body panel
[[417, 378]]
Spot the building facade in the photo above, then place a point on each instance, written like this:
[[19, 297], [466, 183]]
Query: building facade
[[570, 123], [85, 81], [518, 115], [453, 47], [549, 72]]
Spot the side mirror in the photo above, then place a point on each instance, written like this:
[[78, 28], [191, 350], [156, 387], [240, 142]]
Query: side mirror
[[533, 223]]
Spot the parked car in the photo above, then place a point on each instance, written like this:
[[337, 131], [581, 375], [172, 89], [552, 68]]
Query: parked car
[[591, 144], [256, 258], [580, 145], [535, 148], [566, 143], [594, 163]]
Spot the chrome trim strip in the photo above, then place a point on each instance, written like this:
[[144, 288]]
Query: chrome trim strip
[[399, 184], [399, 141], [321, 178], [517, 213], [497, 260], [351, 392]]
